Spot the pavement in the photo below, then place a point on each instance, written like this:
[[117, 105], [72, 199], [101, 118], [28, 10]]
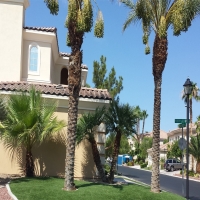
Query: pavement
[[168, 173]]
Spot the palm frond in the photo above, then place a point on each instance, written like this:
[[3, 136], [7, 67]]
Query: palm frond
[[132, 17], [87, 124], [29, 119]]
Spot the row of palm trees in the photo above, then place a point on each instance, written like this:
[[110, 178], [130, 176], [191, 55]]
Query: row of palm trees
[[156, 16], [120, 119], [28, 120]]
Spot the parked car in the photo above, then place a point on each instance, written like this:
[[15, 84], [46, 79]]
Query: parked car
[[173, 164]]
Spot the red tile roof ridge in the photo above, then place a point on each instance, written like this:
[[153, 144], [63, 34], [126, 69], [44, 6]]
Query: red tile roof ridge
[[54, 89], [46, 29], [94, 89]]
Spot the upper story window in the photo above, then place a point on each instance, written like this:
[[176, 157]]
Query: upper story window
[[64, 76], [33, 59]]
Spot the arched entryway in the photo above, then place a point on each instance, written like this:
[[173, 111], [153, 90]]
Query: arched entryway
[[64, 76]]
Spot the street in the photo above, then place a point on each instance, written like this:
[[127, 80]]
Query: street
[[167, 183]]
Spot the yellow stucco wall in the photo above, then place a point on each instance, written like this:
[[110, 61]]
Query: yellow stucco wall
[[50, 156]]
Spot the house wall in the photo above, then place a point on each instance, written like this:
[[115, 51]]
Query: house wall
[[44, 62], [11, 19], [49, 158]]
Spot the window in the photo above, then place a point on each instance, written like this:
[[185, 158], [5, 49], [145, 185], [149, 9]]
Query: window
[[64, 76], [33, 61]]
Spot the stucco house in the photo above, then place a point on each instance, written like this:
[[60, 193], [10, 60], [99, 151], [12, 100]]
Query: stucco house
[[173, 136], [30, 56]]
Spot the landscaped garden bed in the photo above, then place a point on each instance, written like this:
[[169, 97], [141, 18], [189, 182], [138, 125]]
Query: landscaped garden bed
[[51, 189]]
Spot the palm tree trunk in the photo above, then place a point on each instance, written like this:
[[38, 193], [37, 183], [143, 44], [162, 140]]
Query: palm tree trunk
[[138, 126], [191, 116], [97, 159], [74, 81], [115, 155], [198, 167], [159, 60], [143, 125], [29, 164]]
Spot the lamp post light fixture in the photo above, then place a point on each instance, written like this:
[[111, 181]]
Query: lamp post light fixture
[[187, 91]]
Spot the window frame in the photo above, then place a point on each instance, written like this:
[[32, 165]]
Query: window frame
[[38, 59]]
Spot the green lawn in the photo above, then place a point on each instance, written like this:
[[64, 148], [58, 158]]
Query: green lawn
[[51, 189]]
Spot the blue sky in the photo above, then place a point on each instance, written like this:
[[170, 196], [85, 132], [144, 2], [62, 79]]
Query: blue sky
[[125, 51]]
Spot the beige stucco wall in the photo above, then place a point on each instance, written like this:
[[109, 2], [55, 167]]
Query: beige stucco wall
[[44, 50], [11, 20], [50, 156]]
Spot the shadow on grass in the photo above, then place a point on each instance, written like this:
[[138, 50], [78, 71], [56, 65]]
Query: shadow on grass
[[91, 184], [27, 179]]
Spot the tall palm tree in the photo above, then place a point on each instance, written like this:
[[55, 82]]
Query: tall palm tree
[[138, 113], [193, 95], [78, 22], [29, 120], [86, 129], [194, 146], [159, 15], [121, 120], [144, 116]]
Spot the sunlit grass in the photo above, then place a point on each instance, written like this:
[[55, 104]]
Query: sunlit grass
[[51, 188]]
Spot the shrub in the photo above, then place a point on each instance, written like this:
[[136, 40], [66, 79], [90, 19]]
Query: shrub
[[191, 173], [141, 162], [130, 163], [143, 165], [161, 165], [149, 168]]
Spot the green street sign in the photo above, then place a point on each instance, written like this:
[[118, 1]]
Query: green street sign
[[182, 125], [181, 121]]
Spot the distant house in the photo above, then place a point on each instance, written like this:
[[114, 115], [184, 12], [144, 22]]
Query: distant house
[[172, 136], [30, 56]]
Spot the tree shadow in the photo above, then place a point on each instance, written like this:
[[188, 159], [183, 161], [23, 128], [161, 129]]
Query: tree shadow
[[85, 158]]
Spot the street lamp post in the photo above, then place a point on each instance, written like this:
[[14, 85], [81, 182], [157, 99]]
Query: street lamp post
[[187, 91]]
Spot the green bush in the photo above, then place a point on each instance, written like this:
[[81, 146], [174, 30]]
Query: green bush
[[149, 168], [143, 165], [161, 165], [191, 173], [107, 169], [130, 163], [141, 162]]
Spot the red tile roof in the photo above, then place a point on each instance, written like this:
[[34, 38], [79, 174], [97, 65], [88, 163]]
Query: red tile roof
[[53, 89], [46, 29]]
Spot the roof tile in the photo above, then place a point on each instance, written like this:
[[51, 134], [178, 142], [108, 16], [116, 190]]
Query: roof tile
[[53, 89]]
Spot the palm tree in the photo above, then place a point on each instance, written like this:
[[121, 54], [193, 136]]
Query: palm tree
[[86, 129], [159, 15], [194, 146], [193, 95], [144, 116], [121, 120], [29, 120], [78, 22], [138, 113]]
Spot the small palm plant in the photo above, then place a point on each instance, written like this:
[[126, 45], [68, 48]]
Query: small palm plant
[[86, 129], [29, 121], [121, 120]]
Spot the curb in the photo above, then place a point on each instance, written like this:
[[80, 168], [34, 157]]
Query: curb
[[10, 193]]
